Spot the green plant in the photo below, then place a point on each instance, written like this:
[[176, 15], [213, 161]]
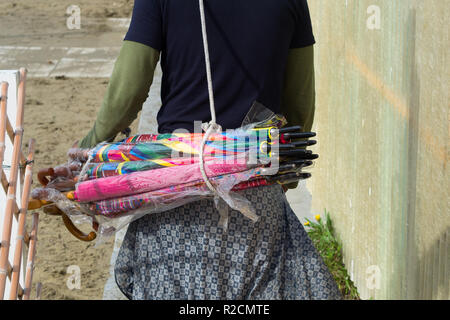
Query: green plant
[[323, 236]]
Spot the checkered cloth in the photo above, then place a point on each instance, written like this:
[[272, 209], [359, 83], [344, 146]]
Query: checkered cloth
[[184, 253]]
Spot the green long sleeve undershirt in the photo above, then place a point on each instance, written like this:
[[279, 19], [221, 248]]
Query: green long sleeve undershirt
[[126, 93], [298, 99], [133, 75]]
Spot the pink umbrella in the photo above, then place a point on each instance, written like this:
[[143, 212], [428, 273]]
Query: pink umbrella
[[146, 181]]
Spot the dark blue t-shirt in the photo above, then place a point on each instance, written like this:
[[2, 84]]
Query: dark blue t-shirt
[[248, 40]]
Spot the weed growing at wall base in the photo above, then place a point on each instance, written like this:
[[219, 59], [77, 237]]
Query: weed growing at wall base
[[323, 235]]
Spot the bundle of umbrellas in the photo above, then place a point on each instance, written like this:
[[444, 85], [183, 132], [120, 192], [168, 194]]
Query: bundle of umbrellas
[[153, 173]]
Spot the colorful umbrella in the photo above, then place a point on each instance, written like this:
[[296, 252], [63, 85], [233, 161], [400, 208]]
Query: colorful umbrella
[[161, 171], [145, 181], [164, 146], [153, 200], [110, 169]]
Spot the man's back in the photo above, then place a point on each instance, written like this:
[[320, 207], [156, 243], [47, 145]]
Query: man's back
[[249, 43]]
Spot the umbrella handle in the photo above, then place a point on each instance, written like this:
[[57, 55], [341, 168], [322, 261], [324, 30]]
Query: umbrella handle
[[34, 204], [53, 210], [43, 174], [77, 233]]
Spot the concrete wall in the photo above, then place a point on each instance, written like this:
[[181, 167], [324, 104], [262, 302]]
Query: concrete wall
[[383, 130]]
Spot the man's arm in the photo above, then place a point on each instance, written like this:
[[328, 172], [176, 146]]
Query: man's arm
[[127, 91], [298, 100]]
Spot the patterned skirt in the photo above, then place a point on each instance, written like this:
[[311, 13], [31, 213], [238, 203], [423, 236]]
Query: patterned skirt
[[185, 254]]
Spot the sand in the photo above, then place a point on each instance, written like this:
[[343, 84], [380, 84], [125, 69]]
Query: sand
[[43, 22], [97, 8], [58, 112]]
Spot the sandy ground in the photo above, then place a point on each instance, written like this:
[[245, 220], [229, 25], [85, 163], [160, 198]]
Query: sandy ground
[[43, 22], [97, 8], [58, 112]]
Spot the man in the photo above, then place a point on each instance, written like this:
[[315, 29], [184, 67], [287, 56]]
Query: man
[[261, 50]]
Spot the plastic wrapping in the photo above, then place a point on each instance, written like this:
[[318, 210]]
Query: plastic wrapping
[[150, 180], [114, 184]]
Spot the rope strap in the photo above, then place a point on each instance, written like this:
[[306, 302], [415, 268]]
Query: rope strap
[[212, 126]]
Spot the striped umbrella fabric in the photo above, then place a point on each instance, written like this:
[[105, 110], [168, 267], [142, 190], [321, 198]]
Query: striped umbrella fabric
[[146, 181], [153, 200], [155, 147]]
